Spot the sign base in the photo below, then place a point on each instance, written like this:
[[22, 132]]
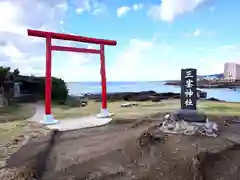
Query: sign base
[[189, 115]]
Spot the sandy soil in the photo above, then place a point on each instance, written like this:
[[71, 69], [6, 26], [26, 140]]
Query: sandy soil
[[125, 152]]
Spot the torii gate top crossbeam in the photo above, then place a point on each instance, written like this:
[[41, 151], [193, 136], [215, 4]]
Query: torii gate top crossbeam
[[70, 37]]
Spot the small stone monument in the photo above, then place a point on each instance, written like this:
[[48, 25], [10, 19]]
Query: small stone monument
[[188, 111], [16, 91], [1, 97], [188, 120], [189, 89]]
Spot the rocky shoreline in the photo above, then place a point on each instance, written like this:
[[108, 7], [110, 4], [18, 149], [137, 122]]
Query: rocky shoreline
[[139, 96], [209, 84]]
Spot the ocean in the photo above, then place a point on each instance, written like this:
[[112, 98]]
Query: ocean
[[78, 88]]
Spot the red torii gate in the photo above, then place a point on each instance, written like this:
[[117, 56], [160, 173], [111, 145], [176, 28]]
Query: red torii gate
[[49, 48]]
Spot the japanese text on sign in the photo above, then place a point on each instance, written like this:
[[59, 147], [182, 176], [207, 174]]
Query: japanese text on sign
[[188, 97], [188, 91]]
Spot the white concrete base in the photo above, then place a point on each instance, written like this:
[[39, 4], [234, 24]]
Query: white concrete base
[[48, 119], [79, 123], [104, 114]]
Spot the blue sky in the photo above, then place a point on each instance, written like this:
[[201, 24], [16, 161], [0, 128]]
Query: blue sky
[[155, 38]]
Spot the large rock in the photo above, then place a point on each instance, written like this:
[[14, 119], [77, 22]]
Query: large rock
[[156, 98], [214, 99], [135, 96]]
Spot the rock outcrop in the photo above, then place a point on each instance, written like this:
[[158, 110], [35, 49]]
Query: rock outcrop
[[136, 96]]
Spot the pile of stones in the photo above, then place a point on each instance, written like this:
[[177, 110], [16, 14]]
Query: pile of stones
[[189, 122]]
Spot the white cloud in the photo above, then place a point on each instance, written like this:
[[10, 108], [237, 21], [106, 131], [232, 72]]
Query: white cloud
[[143, 60], [136, 7], [79, 10], [169, 9], [98, 11], [150, 60], [18, 50], [78, 68], [122, 11], [18, 15], [229, 47], [200, 32], [93, 7], [207, 64], [197, 32]]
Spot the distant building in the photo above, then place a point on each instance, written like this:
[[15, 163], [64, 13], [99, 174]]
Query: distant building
[[232, 71], [211, 77]]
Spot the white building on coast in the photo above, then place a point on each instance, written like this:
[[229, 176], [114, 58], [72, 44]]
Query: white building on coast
[[231, 71]]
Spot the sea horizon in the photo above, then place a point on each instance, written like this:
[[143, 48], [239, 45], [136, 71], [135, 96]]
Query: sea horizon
[[122, 81], [80, 88], [118, 81]]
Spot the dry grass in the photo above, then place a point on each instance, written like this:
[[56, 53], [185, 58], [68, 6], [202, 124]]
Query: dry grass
[[145, 109], [12, 120], [16, 112], [220, 108], [13, 125], [10, 129], [93, 108], [14, 116], [14, 134]]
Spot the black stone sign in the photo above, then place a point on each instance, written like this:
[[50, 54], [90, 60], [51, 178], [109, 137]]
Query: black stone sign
[[189, 89]]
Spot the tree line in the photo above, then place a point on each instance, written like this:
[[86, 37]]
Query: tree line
[[31, 84]]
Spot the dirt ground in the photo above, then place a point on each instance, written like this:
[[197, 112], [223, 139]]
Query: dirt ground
[[13, 135], [129, 151]]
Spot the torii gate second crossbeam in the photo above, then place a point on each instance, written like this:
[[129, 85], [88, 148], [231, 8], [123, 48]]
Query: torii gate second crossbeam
[[49, 48]]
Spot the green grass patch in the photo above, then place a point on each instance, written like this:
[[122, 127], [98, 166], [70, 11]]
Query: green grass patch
[[15, 112], [10, 109], [144, 109], [9, 130], [12, 120], [220, 108]]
